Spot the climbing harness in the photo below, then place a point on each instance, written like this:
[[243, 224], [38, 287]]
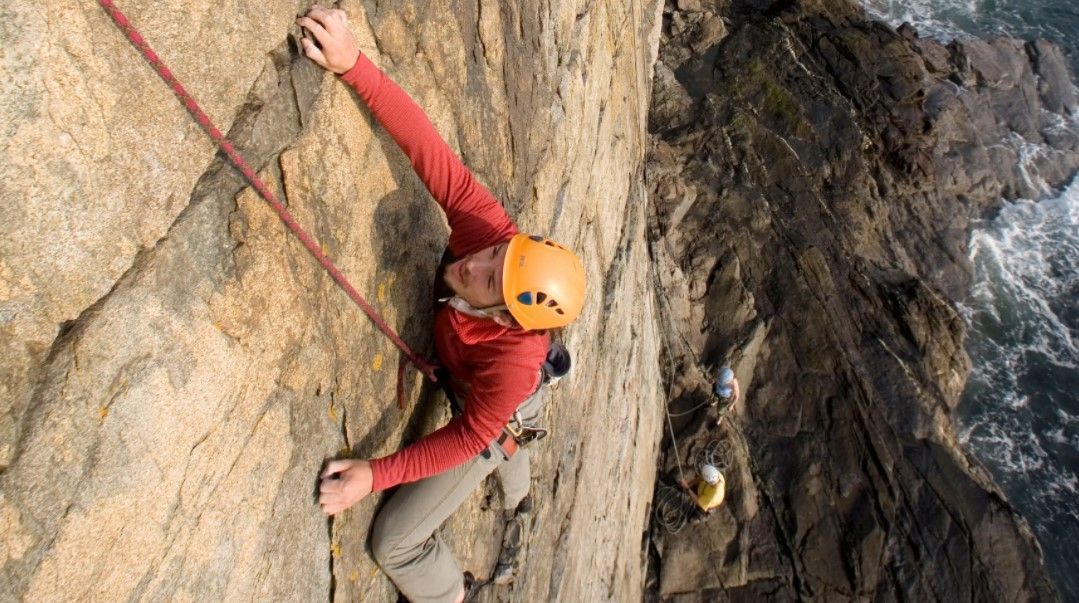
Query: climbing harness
[[223, 143], [524, 433], [517, 433]]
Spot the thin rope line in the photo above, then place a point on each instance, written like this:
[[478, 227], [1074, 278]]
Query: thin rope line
[[223, 143]]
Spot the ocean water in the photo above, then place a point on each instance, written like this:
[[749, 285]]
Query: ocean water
[[1056, 20], [1020, 411]]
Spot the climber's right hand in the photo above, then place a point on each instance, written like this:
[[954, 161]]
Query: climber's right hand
[[336, 50]]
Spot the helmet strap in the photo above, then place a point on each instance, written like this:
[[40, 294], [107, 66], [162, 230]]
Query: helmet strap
[[491, 312]]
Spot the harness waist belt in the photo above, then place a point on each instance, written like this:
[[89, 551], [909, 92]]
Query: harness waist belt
[[508, 443]]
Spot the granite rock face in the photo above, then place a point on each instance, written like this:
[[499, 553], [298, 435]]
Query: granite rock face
[[814, 177], [175, 368]]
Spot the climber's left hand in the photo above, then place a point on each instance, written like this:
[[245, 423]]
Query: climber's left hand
[[345, 482]]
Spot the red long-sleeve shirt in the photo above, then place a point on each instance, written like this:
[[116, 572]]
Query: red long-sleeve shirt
[[497, 367]]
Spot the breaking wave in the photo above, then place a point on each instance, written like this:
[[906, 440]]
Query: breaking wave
[[1056, 20], [1020, 411]]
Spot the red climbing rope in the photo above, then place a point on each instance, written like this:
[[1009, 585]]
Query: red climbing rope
[[204, 120]]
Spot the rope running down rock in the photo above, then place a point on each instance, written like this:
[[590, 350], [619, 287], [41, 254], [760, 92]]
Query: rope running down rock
[[223, 143]]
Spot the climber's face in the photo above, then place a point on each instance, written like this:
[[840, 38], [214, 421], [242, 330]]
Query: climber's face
[[477, 278]]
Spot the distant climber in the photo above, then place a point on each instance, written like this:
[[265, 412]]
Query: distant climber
[[727, 392], [504, 291], [711, 489]]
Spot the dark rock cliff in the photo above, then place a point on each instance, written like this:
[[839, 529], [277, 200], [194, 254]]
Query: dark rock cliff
[[814, 177]]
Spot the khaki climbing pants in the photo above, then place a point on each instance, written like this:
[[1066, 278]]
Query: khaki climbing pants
[[405, 538]]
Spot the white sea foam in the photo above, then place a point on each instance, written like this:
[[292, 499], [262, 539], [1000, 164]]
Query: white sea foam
[[1029, 153], [1059, 125], [1066, 418], [963, 19], [934, 18], [1018, 450], [1020, 412], [1026, 263], [1056, 435]]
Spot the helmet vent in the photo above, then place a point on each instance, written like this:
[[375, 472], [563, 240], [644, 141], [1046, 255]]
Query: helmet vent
[[525, 298], [551, 303], [559, 310], [540, 297], [536, 238]]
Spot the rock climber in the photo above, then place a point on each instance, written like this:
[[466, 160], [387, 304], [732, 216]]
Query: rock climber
[[711, 489], [506, 290], [727, 392]]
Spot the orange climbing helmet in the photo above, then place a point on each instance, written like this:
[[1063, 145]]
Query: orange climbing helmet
[[543, 283]]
